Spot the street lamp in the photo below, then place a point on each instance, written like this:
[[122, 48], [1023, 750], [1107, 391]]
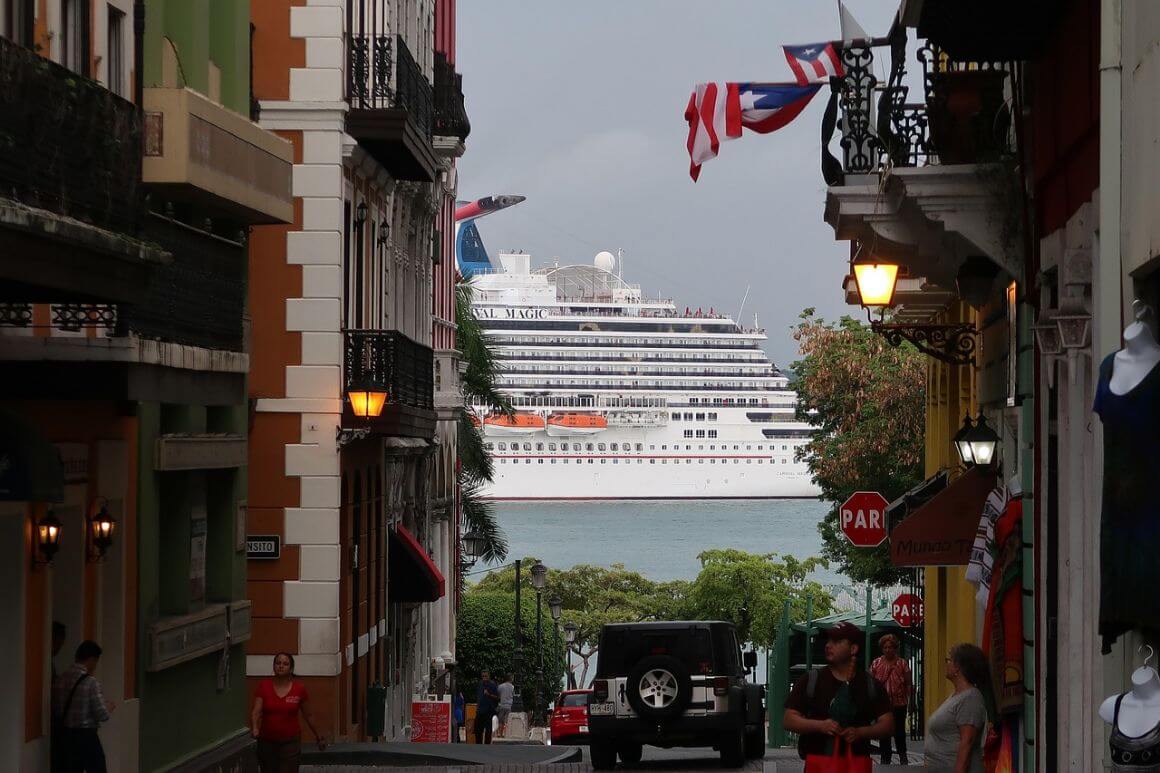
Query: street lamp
[[474, 546], [555, 606], [539, 575], [875, 282], [962, 445], [983, 441], [101, 528], [569, 640], [539, 580]]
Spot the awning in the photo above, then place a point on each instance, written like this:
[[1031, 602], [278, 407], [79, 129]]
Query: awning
[[30, 466], [412, 575], [941, 532]]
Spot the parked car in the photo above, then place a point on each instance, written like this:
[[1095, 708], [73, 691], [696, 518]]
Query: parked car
[[674, 684], [569, 721]]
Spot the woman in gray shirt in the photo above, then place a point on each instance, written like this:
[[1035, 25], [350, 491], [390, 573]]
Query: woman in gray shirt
[[954, 732]]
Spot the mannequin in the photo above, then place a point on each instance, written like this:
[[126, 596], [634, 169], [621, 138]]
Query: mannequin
[[1139, 356], [1140, 709]]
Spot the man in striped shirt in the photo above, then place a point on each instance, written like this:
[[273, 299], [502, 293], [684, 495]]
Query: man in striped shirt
[[80, 708]]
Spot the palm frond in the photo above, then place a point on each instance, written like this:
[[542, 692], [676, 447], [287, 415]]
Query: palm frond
[[482, 369], [478, 515], [474, 460]]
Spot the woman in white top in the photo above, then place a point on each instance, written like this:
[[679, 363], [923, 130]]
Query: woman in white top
[[954, 732]]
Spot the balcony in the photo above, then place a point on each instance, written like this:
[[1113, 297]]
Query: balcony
[[391, 105], [198, 151], [70, 192], [450, 114], [388, 360]]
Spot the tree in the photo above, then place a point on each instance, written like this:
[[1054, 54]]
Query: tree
[[750, 590], [867, 400], [485, 639], [595, 595], [479, 386]]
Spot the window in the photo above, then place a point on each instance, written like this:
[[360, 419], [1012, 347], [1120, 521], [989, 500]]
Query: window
[[590, 446], [601, 446], [688, 433], [551, 446], [503, 446], [700, 433], [712, 417], [489, 446], [700, 417], [74, 35], [527, 446], [115, 51], [712, 433], [676, 417], [17, 21], [539, 446], [614, 447], [688, 417]]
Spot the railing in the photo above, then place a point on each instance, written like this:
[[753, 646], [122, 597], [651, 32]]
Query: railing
[[450, 114], [412, 89], [371, 71], [388, 359], [67, 144], [880, 128]]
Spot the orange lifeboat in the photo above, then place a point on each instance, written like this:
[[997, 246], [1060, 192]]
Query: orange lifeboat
[[566, 424], [516, 424]]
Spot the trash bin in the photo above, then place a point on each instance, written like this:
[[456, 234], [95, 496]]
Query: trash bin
[[469, 721], [376, 720]]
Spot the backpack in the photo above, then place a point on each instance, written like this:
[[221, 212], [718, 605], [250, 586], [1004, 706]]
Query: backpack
[[812, 688]]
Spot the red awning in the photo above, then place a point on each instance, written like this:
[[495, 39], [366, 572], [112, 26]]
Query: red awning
[[412, 574], [942, 531]]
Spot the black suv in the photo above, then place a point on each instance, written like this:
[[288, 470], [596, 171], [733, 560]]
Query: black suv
[[674, 684]]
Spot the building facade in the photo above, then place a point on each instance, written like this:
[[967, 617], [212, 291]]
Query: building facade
[[1017, 197], [132, 173], [350, 297]]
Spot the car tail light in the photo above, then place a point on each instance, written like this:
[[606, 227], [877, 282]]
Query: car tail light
[[600, 689], [720, 685]]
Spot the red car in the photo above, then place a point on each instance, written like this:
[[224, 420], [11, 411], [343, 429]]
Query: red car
[[569, 721]]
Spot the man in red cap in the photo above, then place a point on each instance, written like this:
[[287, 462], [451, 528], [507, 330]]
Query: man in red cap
[[840, 701]]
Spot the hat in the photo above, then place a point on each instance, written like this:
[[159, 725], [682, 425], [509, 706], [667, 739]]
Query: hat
[[845, 630]]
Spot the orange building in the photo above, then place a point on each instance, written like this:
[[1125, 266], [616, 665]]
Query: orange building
[[356, 295]]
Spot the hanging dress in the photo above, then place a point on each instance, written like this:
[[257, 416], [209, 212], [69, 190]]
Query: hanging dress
[[1130, 519]]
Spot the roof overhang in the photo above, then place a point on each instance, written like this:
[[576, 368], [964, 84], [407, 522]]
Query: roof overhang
[[942, 531]]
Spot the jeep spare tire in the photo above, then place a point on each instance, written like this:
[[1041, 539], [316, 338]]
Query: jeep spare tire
[[658, 686]]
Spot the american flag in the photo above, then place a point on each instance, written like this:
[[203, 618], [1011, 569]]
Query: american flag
[[814, 62], [717, 111]]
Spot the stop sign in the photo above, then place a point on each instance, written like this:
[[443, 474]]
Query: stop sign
[[863, 519], [907, 610]]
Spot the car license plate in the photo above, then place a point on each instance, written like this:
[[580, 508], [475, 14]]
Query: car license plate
[[601, 709], [583, 728]]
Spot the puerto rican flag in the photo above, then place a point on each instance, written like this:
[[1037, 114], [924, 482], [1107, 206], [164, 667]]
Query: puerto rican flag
[[717, 111], [814, 62]]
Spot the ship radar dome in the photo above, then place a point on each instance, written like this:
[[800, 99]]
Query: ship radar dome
[[605, 261]]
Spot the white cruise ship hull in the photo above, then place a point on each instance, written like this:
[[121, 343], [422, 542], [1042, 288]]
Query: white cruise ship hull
[[608, 481]]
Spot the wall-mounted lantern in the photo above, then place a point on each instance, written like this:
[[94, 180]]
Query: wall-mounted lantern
[[48, 530], [367, 401], [875, 282], [962, 445], [102, 528]]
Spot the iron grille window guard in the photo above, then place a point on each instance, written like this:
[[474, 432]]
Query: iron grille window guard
[[389, 360], [16, 314], [68, 144], [74, 316]]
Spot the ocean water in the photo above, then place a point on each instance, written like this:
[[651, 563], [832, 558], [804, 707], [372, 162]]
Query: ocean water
[[661, 539]]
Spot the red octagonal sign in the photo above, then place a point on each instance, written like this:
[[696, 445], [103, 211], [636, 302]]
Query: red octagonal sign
[[907, 610], [863, 519]]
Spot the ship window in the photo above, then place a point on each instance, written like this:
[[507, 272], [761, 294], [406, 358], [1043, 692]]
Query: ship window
[[712, 433], [785, 448], [712, 448], [503, 446], [541, 461], [539, 446], [590, 461], [700, 433], [652, 461], [604, 461], [614, 447], [676, 417], [688, 433], [712, 417], [601, 446], [700, 448], [616, 461], [749, 461], [489, 446], [527, 461], [551, 446], [589, 446], [527, 446], [640, 446], [700, 417], [553, 461], [688, 417], [664, 448], [664, 461], [652, 448], [783, 461], [688, 448]]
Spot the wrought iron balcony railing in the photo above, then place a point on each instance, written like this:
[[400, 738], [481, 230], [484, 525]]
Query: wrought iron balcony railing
[[963, 117], [383, 74], [389, 360], [67, 144], [450, 114], [412, 89]]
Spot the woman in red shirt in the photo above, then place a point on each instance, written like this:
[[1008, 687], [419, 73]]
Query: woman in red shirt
[[275, 718]]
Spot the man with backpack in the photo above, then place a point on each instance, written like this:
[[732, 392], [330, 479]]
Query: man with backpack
[[839, 703], [80, 708]]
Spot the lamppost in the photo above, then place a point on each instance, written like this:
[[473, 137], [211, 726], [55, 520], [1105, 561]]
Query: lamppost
[[473, 546], [555, 606], [539, 579], [569, 640], [518, 655]]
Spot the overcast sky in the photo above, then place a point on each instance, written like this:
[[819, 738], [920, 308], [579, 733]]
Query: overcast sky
[[579, 106]]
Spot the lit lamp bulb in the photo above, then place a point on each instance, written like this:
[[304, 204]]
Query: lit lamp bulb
[[101, 528], [876, 282]]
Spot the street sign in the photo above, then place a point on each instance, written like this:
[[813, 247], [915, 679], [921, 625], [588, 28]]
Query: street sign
[[263, 546], [863, 519], [907, 610], [431, 721]]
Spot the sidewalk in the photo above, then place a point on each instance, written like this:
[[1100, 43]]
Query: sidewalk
[[787, 761], [402, 755]]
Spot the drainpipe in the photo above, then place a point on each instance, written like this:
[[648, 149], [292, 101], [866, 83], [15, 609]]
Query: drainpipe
[[1107, 296]]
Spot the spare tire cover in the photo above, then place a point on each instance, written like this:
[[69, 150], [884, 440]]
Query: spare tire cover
[[659, 686]]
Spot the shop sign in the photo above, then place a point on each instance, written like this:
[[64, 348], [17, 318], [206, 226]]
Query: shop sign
[[263, 546], [907, 610], [431, 721], [863, 519]]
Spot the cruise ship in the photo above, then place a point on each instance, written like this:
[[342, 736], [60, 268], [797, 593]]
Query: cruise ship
[[621, 397]]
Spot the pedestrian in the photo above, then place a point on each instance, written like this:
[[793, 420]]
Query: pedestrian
[[954, 731], [839, 704], [894, 673], [486, 700], [507, 692], [80, 708], [458, 714], [274, 718]]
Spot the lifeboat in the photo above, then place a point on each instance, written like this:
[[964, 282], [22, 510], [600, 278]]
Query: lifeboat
[[567, 424], [475, 422], [516, 424]]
